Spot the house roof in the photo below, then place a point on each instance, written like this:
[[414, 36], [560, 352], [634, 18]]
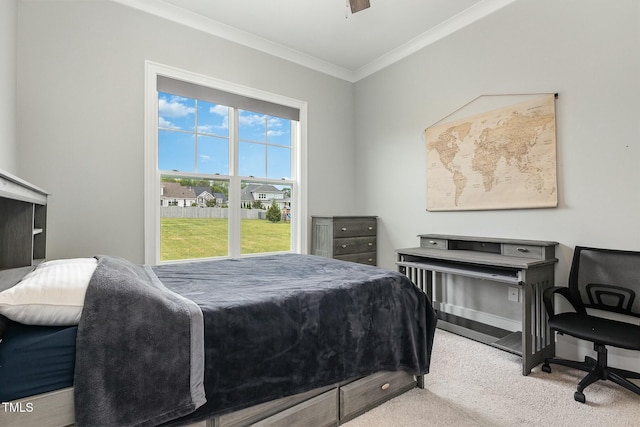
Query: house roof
[[177, 191], [247, 191], [199, 190]]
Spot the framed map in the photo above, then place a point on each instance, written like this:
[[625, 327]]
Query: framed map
[[504, 158]]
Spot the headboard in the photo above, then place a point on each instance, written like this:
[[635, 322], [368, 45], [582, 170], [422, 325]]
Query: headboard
[[23, 226]]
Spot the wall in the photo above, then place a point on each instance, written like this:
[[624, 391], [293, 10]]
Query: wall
[[81, 105], [587, 51], [8, 140], [80, 120]]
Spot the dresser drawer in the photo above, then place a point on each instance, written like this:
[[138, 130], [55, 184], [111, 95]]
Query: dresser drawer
[[348, 238], [318, 411], [361, 258], [523, 251], [351, 245], [433, 243], [365, 393], [352, 227]]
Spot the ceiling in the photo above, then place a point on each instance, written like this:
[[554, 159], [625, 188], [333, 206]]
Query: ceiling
[[323, 34]]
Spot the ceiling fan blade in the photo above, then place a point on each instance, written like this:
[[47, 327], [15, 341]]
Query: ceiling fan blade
[[358, 5]]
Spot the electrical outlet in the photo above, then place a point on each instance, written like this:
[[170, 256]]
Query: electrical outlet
[[514, 294]]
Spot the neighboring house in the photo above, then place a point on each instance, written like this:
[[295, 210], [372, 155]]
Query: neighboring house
[[174, 194], [204, 194], [266, 194]]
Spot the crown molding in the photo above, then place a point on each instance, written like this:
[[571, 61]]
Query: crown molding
[[218, 29], [440, 31]]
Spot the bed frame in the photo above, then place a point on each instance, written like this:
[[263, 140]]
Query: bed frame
[[325, 406]]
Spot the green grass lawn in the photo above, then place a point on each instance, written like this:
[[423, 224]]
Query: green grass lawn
[[184, 238]]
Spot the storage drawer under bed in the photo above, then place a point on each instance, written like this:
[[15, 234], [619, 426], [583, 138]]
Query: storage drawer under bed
[[361, 395], [319, 411]]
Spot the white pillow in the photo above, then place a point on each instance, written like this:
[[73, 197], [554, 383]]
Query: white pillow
[[51, 295]]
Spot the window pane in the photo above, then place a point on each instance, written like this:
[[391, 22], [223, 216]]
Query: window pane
[[213, 155], [279, 162], [195, 140], [213, 119], [266, 218], [176, 112], [193, 218], [176, 151], [279, 131], [252, 159], [252, 126]]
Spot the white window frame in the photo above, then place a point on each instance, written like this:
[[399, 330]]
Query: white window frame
[[299, 221]]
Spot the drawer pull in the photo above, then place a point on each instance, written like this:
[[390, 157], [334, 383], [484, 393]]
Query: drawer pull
[[433, 242], [370, 260], [385, 386], [344, 246], [370, 244], [344, 229], [370, 228], [522, 250]]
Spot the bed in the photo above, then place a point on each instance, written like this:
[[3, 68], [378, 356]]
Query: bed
[[284, 339]]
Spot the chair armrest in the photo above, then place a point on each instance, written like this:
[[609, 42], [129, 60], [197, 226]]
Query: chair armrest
[[548, 298]]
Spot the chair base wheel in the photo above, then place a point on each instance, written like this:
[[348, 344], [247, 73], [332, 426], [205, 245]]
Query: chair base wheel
[[546, 368], [579, 397]]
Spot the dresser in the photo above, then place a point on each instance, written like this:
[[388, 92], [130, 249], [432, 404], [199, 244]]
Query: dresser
[[349, 238], [500, 276], [23, 222]]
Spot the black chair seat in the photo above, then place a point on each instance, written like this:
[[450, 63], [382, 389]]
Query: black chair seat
[[597, 330], [606, 280]]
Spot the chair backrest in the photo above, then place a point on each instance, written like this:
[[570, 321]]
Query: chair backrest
[[606, 279]]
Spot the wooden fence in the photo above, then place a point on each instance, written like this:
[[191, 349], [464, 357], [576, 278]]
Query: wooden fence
[[207, 213]]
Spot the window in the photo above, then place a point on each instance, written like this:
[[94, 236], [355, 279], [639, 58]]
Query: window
[[224, 175]]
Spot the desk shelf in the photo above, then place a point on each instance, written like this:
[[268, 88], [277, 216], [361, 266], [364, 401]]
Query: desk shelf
[[525, 264], [473, 271], [509, 341]]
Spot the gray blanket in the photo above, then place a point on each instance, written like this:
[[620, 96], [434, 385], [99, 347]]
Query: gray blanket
[[139, 350], [276, 325], [273, 326]]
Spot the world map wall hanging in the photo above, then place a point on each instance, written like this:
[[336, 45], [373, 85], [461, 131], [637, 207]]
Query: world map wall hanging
[[504, 158]]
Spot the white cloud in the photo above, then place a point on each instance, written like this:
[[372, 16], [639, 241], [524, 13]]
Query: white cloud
[[252, 119], [163, 123], [204, 158], [205, 129], [220, 110], [174, 108], [276, 122]]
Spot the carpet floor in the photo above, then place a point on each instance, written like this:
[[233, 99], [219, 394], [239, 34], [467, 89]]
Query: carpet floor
[[472, 384]]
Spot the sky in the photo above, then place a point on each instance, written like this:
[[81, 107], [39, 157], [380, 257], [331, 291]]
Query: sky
[[264, 141]]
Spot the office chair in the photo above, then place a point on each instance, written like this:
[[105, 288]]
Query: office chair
[[602, 282]]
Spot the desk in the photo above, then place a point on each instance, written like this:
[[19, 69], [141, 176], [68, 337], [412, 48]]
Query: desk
[[525, 267]]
